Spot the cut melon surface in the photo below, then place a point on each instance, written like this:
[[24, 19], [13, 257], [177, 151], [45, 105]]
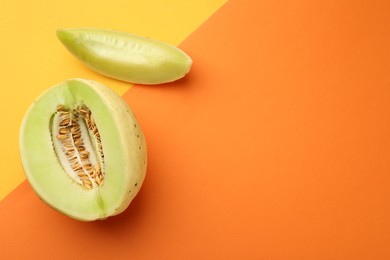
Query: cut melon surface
[[51, 170], [127, 57]]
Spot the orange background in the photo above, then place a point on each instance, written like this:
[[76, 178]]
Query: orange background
[[276, 146]]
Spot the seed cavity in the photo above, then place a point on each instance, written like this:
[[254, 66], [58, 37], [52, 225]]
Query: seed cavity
[[77, 143]]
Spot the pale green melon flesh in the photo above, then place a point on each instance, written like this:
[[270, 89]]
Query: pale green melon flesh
[[125, 56], [122, 140]]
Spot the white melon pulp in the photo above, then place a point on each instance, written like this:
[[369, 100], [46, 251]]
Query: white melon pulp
[[124, 146]]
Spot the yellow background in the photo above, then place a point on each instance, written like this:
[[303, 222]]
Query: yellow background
[[32, 59]]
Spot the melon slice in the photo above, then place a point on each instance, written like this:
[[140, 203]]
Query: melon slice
[[83, 150], [126, 57]]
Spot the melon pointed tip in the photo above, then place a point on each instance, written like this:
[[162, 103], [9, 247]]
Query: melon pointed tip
[[65, 35]]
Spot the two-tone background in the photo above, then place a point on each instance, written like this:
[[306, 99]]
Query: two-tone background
[[275, 146]]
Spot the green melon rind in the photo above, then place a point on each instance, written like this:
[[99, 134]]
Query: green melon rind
[[123, 143], [126, 57]]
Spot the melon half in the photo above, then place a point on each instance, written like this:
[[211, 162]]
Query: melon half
[[83, 150]]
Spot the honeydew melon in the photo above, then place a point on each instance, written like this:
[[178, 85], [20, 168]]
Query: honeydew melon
[[127, 57], [92, 168]]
